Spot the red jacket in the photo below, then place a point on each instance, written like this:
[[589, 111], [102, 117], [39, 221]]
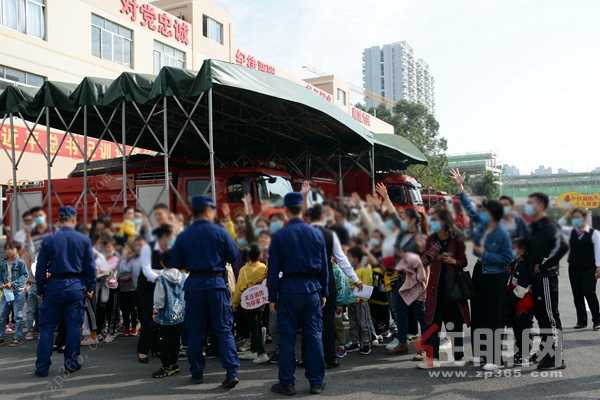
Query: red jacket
[[429, 257]]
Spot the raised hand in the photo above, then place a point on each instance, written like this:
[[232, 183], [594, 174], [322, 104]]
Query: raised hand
[[382, 190], [356, 199], [247, 200], [264, 207], [458, 178], [226, 211], [305, 188]]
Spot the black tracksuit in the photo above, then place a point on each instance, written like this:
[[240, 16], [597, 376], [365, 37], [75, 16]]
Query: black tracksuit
[[547, 247]]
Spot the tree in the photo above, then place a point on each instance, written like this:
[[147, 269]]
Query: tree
[[486, 186]]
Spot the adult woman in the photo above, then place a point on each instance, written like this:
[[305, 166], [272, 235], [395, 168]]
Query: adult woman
[[584, 266], [444, 253], [146, 281], [409, 240], [493, 247]]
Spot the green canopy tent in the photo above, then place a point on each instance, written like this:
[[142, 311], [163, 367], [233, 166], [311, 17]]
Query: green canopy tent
[[224, 114]]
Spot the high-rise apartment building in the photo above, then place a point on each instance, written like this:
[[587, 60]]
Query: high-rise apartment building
[[392, 71]]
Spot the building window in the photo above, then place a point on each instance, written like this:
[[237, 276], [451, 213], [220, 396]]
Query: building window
[[341, 96], [167, 56], [26, 16], [10, 77], [111, 41], [212, 29]]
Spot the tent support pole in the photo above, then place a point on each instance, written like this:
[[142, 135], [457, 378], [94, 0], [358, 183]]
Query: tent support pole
[[428, 187], [211, 148], [124, 153], [49, 195], [14, 219], [340, 183], [372, 161], [165, 149], [85, 166]]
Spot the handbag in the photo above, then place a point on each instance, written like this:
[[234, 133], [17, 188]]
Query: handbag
[[8, 295], [459, 286]]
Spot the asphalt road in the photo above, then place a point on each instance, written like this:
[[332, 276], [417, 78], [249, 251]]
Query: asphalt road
[[111, 371]]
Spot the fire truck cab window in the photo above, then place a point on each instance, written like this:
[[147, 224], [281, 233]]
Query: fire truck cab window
[[237, 187], [397, 194], [197, 187]]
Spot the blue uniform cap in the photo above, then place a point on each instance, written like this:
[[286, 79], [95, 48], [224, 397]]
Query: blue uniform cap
[[67, 211], [293, 199], [203, 201]]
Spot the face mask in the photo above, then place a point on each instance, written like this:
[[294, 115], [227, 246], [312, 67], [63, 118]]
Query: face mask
[[137, 221], [404, 225], [436, 226], [389, 224], [514, 255], [171, 242], [506, 210], [275, 226], [577, 222], [40, 220], [374, 242], [31, 226], [258, 231], [100, 249], [352, 223], [485, 218], [265, 247], [529, 210], [352, 264], [329, 218], [242, 242]]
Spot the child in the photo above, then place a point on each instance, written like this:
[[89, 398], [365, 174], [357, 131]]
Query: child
[[168, 314], [520, 299], [108, 309], [130, 262], [13, 277], [253, 273], [343, 298], [359, 313], [127, 229]]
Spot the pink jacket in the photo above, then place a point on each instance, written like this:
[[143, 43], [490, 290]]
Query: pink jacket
[[416, 279]]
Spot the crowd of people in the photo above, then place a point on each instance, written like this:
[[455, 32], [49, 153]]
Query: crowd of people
[[388, 271]]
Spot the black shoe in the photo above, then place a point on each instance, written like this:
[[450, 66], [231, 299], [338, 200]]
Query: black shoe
[[317, 389], [274, 359], [520, 361], [61, 350], [365, 350], [301, 364], [198, 381], [69, 370], [269, 339], [580, 326], [596, 327], [334, 365], [175, 368], [144, 360], [163, 372], [288, 390], [230, 382], [534, 359], [40, 374], [548, 364], [352, 348]]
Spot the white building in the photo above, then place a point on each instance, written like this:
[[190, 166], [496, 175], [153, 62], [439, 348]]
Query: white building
[[392, 71]]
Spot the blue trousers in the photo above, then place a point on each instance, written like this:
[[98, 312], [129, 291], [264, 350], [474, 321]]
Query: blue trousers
[[55, 305], [401, 313], [210, 307], [294, 310], [17, 307]]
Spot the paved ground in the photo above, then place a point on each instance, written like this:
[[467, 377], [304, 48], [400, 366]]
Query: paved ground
[[111, 371]]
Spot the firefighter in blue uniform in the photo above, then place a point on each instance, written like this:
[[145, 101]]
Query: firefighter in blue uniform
[[297, 281], [66, 272], [203, 250]]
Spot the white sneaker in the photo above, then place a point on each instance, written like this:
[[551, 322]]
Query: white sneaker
[[393, 344], [445, 344], [427, 364], [263, 359], [491, 367], [459, 363], [249, 356], [109, 338], [375, 343]]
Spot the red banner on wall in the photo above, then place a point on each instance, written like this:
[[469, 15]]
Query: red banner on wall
[[63, 143]]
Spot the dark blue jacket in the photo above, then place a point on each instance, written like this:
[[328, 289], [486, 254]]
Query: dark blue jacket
[[497, 247], [204, 246], [297, 248], [66, 251]]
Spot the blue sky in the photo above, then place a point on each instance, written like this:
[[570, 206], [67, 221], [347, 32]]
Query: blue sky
[[521, 77]]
